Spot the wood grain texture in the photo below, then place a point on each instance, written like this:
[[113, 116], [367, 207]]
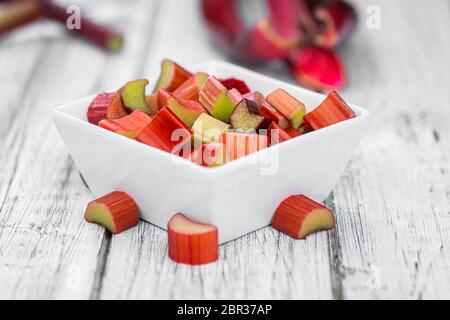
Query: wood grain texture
[[392, 203]]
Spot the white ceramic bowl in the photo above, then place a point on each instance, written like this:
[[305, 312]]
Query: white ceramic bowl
[[238, 197]]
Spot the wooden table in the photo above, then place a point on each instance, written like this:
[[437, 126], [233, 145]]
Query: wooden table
[[392, 203]]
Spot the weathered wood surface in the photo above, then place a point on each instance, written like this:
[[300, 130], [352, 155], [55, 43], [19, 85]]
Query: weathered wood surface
[[392, 203]]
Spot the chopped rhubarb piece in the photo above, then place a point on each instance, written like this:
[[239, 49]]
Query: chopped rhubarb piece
[[271, 113], [162, 96], [208, 129], [116, 211], [191, 242], [129, 126], [292, 132], [214, 97], [256, 96], [305, 127], [243, 120], [239, 145], [133, 96], [190, 89], [152, 102], [265, 44], [172, 76], [317, 68], [332, 110], [235, 96], [288, 106], [299, 216], [233, 83], [106, 106], [210, 155], [276, 134], [165, 132], [337, 20], [186, 110]]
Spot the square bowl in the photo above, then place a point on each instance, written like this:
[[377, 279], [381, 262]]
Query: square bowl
[[238, 197]]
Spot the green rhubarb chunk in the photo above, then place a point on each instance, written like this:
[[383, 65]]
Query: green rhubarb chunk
[[133, 96], [188, 113], [223, 107]]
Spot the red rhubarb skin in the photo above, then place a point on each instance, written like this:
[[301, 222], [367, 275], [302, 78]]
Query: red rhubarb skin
[[338, 19], [271, 113], [122, 208], [179, 76], [275, 130], [188, 90], [162, 96], [317, 68], [159, 132], [291, 213], [292, 132], [263, 44], [132, 124], [284, 15], [106, 106], [332, 110], [233, 83], [195, 249], [98, 34], [238, 145]]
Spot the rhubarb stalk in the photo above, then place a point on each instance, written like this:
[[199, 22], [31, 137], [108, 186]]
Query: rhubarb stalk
[[17, 14]]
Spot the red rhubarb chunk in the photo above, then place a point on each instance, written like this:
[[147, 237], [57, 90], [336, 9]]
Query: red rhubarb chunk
[[128, 126], [191, 242], [332, 110], [116, 211], [276, 134], [299, 216], [106, 106], [317, 68]]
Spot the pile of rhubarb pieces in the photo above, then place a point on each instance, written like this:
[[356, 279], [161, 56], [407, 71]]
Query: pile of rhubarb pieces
[[207, 120], [221, 118]]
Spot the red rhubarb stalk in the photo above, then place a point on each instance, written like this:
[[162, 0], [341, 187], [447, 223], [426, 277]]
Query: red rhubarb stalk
[[98, 34]]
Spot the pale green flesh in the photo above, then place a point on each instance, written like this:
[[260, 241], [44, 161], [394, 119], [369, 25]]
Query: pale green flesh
[[208, 129], [133, 95], [188, 117], [201, 79], [98, 213], [243, 120], [166, 75], [223, 108], [297, 118], [114, 44]]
